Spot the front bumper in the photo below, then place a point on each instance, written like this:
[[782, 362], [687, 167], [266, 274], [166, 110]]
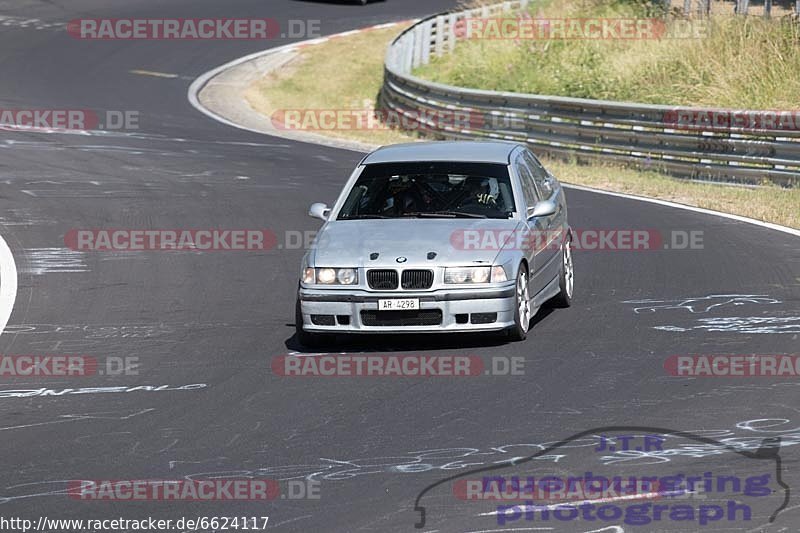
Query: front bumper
[[462, 310]]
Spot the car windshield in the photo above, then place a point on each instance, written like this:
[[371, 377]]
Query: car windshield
[[430, 190]]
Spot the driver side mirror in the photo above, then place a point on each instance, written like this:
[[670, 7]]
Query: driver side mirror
[[545, 208], [320, 211]]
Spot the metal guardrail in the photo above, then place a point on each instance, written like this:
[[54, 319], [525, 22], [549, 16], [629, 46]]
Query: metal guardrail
[[647, 136]]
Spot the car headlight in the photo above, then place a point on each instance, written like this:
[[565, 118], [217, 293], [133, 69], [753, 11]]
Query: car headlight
[[481, 274], [330, 276], [467, 274], [346, 276]]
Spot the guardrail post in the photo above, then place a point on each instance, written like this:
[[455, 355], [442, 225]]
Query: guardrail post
[[408, 60], [767, 8], [417, 48], [687, 7], [425, 56], [440, 29], [452, 21]]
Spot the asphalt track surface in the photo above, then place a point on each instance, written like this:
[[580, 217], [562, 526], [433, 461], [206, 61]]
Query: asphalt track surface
[[218, 319]]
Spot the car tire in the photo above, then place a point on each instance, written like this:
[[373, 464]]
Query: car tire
[[522, 307], [306, 338], [566, 281]]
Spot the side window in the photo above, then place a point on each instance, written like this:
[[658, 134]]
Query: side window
[[539, 174], [526, 180]]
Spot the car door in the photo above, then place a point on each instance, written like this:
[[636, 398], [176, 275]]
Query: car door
[[549, 227], [535, 228], [550, 189]]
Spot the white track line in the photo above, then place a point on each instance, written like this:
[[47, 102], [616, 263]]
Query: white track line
[[8, 283], [770, 225], [577, 503], [198, 84]]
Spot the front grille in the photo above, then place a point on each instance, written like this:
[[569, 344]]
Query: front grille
[[382, 280], [422, 317], [417, 279]]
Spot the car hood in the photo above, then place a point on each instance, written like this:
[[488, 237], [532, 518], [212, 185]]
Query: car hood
[[344, 243]]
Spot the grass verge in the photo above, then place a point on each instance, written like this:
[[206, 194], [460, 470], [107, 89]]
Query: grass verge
[[725, 61], [342, 73], [347, 72]]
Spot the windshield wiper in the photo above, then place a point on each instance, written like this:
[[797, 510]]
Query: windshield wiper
[[448, 214], [356, 217]]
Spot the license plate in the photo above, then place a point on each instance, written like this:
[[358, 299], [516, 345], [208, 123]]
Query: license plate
[[399, 304]]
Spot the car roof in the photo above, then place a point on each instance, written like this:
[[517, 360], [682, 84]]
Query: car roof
[[461, 151]]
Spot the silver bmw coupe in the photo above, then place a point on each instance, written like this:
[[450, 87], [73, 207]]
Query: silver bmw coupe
[[438, 237]]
